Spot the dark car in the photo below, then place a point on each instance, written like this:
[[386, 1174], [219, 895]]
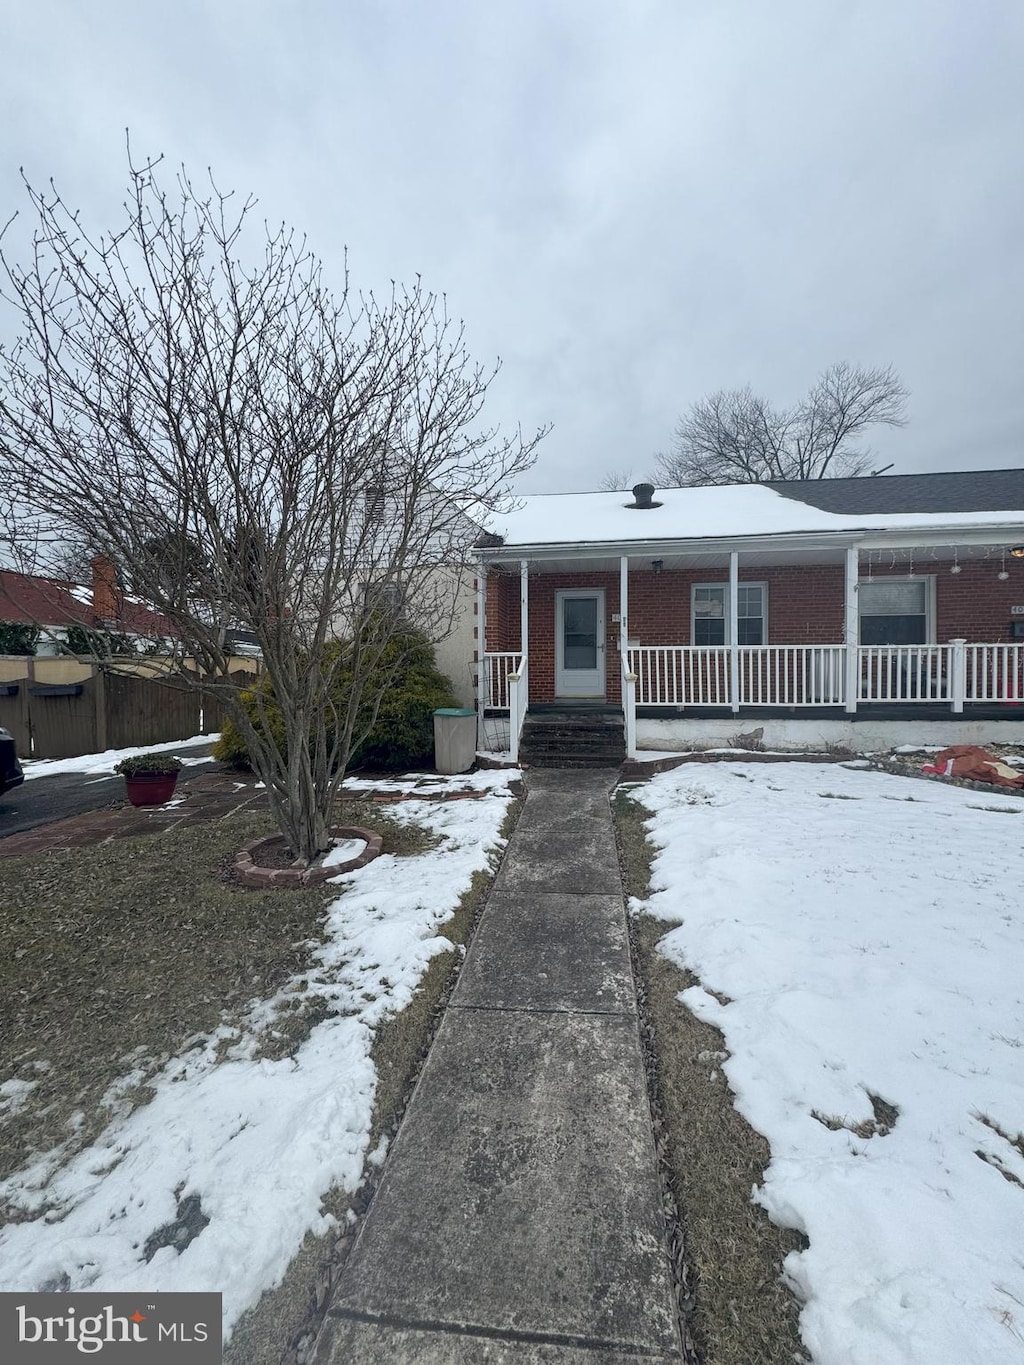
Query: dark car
[[10, 769]]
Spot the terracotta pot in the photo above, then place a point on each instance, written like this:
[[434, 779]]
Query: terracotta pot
[[150, 789]]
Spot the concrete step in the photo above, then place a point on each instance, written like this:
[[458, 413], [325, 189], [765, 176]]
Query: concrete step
[[562, 760], [533, 740], [570, 738]]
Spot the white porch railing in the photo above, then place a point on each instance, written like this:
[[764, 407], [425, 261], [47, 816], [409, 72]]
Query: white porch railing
[[994, 673], [518, 704], [815, 675], [792, 675], [767, 675], [680, 675], [497, 668], [905, 673]]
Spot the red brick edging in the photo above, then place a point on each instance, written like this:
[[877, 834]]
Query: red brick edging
[[249, 874]]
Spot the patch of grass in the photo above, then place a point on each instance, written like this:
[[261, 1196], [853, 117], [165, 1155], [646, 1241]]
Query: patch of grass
[[882, 1121], [635, 850], [119, 955], [743, 1311], [838, 796], [401, 838], [400, 1046]]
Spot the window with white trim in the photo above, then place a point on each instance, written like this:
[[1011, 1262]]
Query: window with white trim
[[710, 613], [895, 611]]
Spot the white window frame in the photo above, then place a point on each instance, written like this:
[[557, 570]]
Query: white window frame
[[743, 583], [930, 597]]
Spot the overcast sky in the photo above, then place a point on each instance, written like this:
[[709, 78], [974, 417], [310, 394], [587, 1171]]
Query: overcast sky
[[632, 202]]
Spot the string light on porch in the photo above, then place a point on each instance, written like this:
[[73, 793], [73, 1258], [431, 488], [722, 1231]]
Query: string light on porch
[[1003, 574], [955, 568]]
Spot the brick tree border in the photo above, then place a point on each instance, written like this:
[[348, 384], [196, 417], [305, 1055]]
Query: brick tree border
[[262, 878]]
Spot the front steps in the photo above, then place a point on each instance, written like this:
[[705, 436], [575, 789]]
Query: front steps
[[573, 737]]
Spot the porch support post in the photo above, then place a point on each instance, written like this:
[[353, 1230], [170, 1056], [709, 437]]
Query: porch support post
[[628, 679], [851, 629], [524, 630], [958, 671], [734, 609], [482, 697]]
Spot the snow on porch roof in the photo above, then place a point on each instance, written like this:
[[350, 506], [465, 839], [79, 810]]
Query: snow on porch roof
[[725, 511]]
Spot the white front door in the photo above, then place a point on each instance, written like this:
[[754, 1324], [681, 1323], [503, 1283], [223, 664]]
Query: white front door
[[579, 642]]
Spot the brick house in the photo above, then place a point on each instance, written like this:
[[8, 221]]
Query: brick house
[[55, 606], [865, 611]]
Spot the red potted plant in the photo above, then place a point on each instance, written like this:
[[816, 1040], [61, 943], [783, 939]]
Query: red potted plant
[[150, 779]]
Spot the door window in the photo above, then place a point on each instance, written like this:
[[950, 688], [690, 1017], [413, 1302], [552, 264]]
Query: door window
[[579, 632]]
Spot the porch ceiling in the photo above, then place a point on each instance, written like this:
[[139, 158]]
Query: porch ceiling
[[919, 557]]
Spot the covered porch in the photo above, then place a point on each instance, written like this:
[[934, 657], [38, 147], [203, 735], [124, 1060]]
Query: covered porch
[[802, 630]]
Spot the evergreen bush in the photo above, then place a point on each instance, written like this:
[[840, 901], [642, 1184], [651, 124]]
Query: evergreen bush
[[411, 689]]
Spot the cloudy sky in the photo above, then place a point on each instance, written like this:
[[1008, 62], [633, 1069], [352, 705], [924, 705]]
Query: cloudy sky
[[632, 202]]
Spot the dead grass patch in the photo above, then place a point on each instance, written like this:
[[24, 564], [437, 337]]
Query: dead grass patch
[[882, 1121], [121, 955], [1016, 1141], [743, 1312]]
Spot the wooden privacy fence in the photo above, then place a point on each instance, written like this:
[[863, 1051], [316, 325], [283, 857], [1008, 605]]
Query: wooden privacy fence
[[104, 711]]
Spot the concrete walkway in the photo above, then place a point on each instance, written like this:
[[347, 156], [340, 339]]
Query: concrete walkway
[[519, 1217]]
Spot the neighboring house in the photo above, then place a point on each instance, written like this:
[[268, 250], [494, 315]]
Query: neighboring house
[[865, 611], [60, 609]]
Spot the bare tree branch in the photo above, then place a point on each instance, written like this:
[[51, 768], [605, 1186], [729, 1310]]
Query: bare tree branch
[[734, 436], [251, 451]]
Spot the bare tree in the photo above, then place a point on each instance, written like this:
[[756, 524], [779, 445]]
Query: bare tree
[[252, 451], [734, 436], [615, 480]]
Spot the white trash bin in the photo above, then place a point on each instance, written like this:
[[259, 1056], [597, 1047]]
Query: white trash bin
[[454, 739]]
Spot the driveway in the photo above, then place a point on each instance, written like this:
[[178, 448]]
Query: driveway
[[41, 800]]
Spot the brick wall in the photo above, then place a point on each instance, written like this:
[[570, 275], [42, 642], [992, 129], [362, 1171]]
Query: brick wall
[[805, 606]]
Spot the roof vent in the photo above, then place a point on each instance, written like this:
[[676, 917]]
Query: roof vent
[[643, 494]]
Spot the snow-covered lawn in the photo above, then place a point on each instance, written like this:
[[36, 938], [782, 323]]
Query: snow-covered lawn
[[867, 946], [104, 762], [258, 1141]]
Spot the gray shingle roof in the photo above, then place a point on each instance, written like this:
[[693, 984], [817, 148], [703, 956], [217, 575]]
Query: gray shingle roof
[[981, 490]]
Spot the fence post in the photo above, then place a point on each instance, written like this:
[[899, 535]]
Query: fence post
[[513, 716], [733, 632], [958, 671], [100, 680], [629, 681], [851, 630]]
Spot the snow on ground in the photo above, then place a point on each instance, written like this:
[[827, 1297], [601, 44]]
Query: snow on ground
[[867, 944], [258, 1141], [104, 762]]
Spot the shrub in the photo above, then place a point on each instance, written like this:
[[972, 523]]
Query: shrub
[[158, 765], [411, 689], [18, 638]]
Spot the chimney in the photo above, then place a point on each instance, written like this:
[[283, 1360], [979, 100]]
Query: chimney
[[107, 598], [643, 495]]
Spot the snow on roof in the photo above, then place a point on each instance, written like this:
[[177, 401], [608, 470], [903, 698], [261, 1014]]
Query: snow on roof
[[723, 511]]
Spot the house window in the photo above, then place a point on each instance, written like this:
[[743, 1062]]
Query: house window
[[711, 613], [895, 611], [386, 597]]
